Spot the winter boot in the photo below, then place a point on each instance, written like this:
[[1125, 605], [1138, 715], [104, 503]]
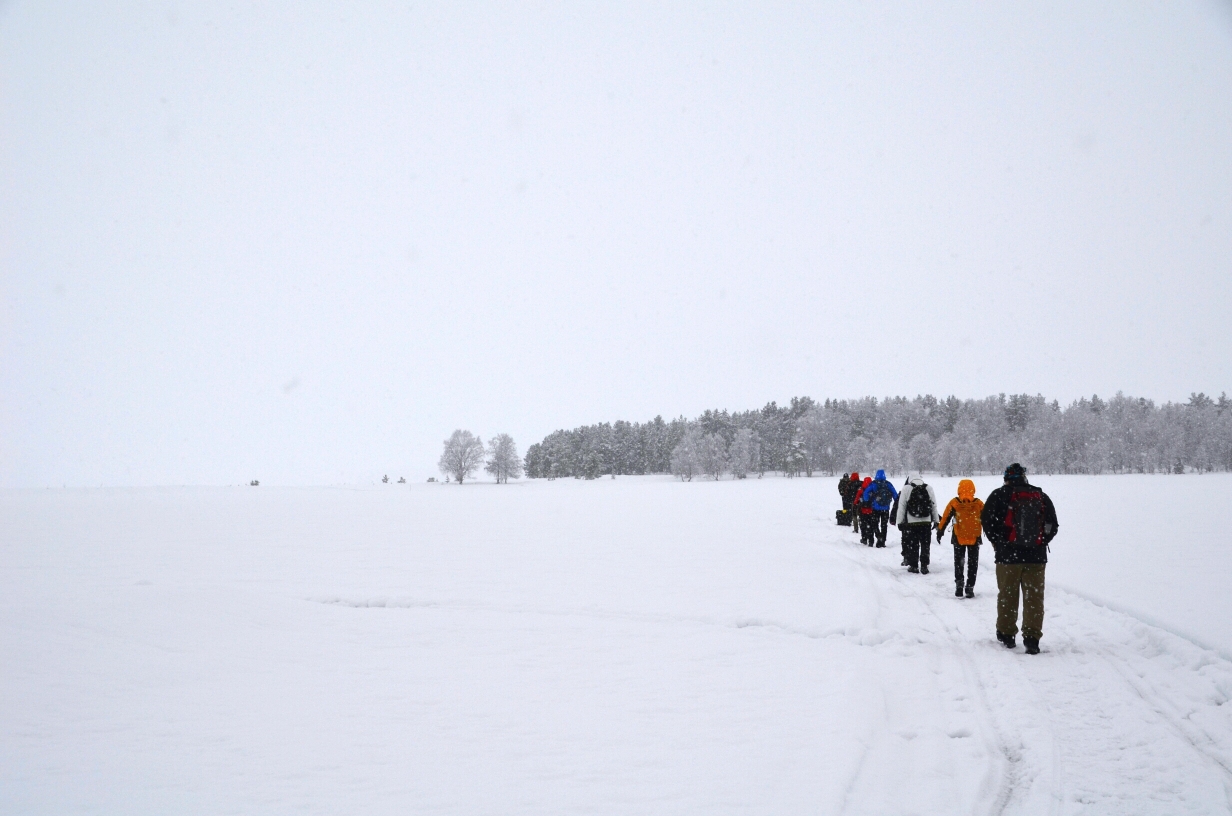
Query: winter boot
[[970, 592], [1006, 640], [958, 591], [924, 570], [1032, 644], [913, 569]]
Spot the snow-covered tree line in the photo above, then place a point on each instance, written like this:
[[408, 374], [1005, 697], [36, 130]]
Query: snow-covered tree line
[[951, 436]]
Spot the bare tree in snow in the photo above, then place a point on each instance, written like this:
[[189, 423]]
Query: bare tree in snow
[[503, 459], [712, 456], [685, 455], [758, 463], [462, 455], [825, 434], [920, 453], [740, 456]]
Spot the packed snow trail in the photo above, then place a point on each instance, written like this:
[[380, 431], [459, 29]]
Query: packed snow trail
[[630, 646], [1109, 700]]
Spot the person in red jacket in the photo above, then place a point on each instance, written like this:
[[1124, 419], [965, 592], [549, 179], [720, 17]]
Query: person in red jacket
[[864, 512]]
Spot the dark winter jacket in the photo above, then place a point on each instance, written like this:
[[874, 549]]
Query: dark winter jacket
[[846, 491], [995, 521], [881, 493]]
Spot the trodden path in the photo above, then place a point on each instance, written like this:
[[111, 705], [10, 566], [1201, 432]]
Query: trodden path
[[1114, 716], [638, 645]]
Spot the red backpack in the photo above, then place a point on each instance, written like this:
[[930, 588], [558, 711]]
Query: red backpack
[[1025, 517]]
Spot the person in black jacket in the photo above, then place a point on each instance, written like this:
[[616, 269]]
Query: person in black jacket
[[845, 492], [849, 497], [1019, 521], [847, 487]]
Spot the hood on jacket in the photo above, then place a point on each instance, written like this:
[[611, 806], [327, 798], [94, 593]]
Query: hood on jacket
[[1015, 473], [855, 477], [966, 490], [880, 477], [915, 479], [868, 480]]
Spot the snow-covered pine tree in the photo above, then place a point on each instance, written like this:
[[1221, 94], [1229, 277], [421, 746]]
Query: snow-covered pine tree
[[1091, 435]]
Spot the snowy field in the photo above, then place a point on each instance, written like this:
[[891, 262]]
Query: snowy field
[[626, 646]]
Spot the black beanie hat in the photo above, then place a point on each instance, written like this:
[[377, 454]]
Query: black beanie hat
[[1016, 473]]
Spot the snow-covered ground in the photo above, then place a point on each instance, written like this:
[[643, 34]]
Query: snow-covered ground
[[635, 645]]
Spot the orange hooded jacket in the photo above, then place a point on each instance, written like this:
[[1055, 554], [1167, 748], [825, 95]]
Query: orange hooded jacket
[[965, 510]]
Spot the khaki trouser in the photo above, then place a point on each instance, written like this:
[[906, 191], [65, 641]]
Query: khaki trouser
[[1029, 578]]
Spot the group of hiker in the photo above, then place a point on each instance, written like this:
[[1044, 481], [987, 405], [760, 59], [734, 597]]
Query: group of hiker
[[1018, 519]]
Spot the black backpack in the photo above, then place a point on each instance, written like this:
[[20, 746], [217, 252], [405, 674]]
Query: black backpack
[[1026, 516], [884, 494], [919, 503]]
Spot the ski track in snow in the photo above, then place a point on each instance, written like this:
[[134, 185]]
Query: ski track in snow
[[724, 649], [1086, 717], [859, 636], [1002, 786], [1047, 725]]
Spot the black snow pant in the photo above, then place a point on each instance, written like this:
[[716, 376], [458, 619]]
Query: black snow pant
[[866, 529], [971, 554], [881, 521], [917, 540]]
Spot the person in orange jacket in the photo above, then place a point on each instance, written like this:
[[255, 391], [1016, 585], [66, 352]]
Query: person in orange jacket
[[965, 512]]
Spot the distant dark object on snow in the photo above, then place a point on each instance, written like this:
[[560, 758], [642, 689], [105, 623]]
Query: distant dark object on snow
[[401, 480], [253, 483], [431, 478], [385, 479]]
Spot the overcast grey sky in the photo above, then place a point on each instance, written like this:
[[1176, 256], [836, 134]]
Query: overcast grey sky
[[303, 243]]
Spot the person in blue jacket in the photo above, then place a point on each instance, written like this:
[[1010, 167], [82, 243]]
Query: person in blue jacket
[[883, 497]]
